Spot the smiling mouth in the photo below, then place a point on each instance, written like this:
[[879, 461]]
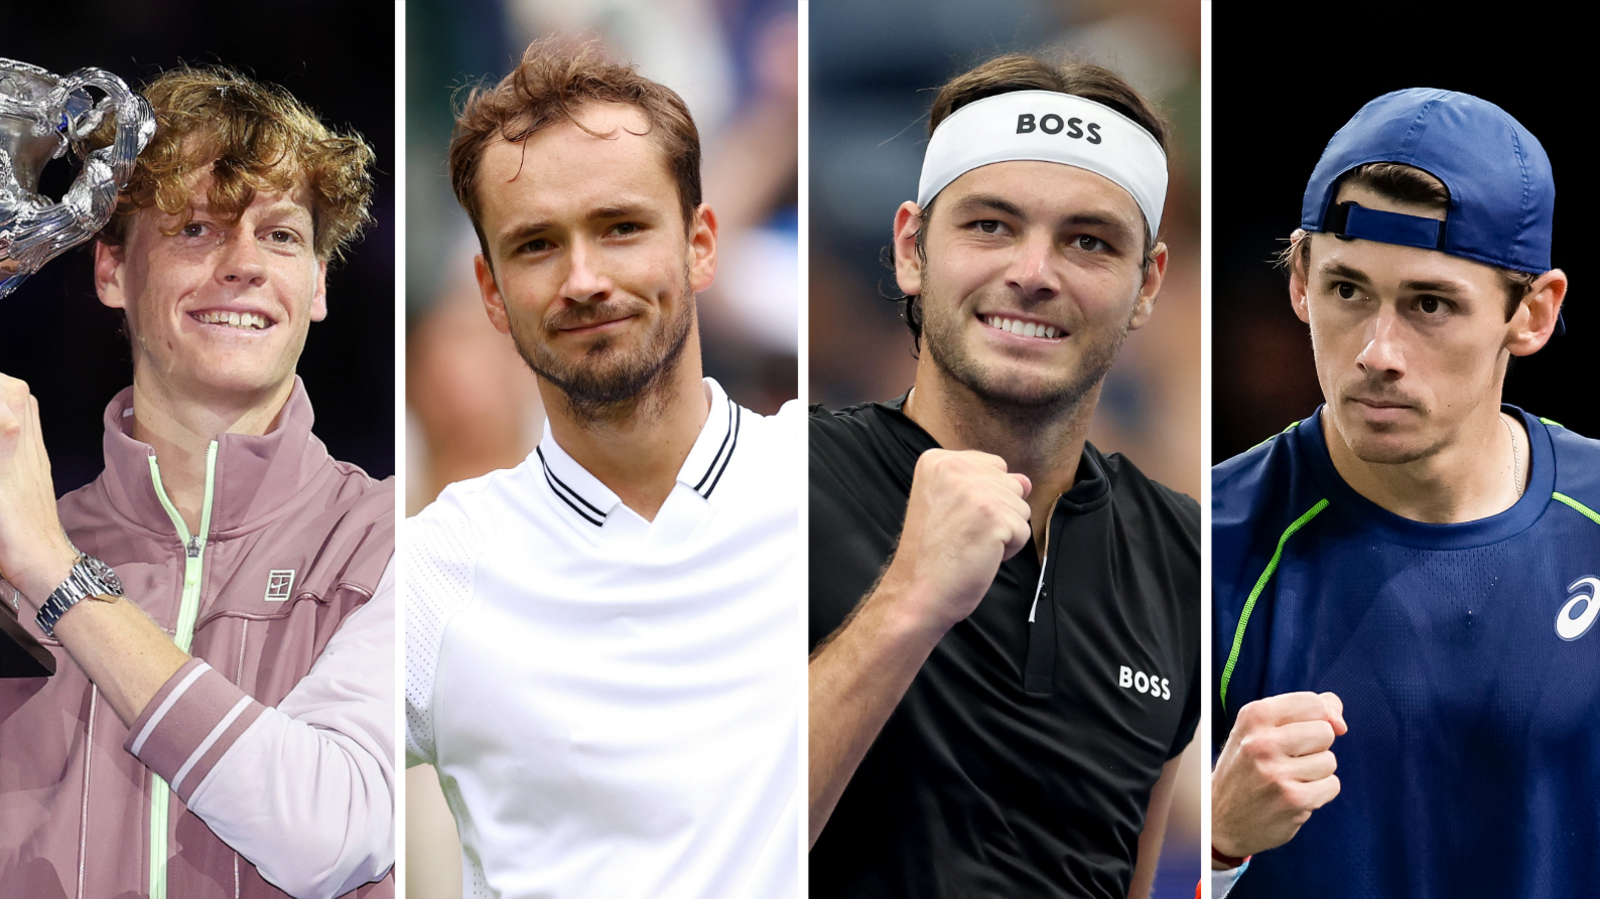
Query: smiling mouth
[[245, 321], [1021, 328]]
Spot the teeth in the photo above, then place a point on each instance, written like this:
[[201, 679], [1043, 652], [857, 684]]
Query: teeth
[[1020, 328], [247, 320]]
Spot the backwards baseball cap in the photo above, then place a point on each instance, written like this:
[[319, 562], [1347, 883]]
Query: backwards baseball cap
[[1502, 193], [1048, 126]]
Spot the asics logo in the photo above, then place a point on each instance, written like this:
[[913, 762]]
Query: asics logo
[[1578, 615]]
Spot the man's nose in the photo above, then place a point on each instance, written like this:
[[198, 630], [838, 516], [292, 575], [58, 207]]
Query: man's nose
[[1384, 349], [585, 281], [241, 259], [1033, 271]]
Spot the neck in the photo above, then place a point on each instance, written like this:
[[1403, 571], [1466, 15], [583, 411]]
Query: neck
[[180, 429], [1042, 442], [638, 450], [1482, 472]]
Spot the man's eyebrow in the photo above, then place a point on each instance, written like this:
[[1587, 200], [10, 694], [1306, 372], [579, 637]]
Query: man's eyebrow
[[973, 203], [1340, 270], [1345, 272], [517, 232], [616, 211], [1447, 286], [1099, 220]]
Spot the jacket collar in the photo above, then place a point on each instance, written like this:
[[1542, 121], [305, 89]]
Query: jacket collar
[[257, 477]]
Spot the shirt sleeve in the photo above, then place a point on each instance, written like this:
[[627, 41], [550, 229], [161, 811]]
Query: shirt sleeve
[[304, 791], [440, 549]]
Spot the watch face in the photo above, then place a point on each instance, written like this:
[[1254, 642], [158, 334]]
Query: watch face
[[102, 573]]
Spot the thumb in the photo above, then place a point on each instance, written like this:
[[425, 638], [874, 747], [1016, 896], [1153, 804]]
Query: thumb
[[1027, 485], [1336, 714]]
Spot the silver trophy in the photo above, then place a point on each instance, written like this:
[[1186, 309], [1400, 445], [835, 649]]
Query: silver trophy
[[41, 115]]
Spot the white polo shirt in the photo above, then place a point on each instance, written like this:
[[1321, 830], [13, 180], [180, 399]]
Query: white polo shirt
[[613, 703]]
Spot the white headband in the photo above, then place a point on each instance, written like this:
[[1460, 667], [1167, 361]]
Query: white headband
[[1048, 126]]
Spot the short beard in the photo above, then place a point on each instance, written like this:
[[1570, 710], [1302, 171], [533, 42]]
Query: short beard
[[597, 392], [1035, 404]]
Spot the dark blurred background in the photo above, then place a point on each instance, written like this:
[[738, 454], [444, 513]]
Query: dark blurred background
[[1283, 84], [875, 68], [337, 56]]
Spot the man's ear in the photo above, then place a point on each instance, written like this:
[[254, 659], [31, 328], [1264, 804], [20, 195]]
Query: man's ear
[[319, 300], [907, 265], [703, 249], [1534, 320], [493, 303], [1154, 274], [108, 275], [1297, 275]]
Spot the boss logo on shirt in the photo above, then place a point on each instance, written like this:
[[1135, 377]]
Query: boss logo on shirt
[[1051, 123], [1578, 615], [1158, 687]]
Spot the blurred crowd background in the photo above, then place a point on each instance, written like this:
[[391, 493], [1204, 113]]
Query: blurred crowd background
[[54, 333], [1263, 375], [875, 68], [472, 406]]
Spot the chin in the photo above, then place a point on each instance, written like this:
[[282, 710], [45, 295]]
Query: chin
[[1380, 448]]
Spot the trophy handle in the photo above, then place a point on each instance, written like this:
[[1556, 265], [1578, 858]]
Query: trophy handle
[[34, 232], [105, 170]]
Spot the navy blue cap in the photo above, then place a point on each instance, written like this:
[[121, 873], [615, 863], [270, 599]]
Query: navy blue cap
[[1502, 193]]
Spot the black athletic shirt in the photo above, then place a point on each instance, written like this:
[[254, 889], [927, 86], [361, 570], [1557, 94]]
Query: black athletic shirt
[[1021, 759]]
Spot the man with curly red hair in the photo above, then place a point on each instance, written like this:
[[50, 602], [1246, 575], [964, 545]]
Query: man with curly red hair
[[224, 586]]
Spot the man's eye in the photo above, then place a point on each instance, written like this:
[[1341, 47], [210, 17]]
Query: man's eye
[[988, 226], [537, 245], [284, 236], [1430, 305], [1089, 243], [1346, 290], [193, 229], [625, 228]]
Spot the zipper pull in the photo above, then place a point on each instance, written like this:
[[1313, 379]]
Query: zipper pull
[[194, 547]]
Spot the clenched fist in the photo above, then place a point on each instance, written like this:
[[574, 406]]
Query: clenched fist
[[1276, 769], [35, 554], [967, 514]]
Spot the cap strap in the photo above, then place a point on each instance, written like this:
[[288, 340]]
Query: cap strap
[[1351, 220]]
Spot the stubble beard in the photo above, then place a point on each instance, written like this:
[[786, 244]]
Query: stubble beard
[[609, 384], [1036, 401]]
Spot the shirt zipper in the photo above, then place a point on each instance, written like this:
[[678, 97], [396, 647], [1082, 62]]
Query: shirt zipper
[[1039, 667], [194, 550]]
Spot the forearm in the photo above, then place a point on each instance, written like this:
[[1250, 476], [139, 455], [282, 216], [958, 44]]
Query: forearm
[[856, 679], [1155, 830], [124, 652], [304, 791]]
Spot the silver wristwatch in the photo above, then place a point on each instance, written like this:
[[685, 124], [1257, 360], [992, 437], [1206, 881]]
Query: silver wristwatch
[[90, 579]]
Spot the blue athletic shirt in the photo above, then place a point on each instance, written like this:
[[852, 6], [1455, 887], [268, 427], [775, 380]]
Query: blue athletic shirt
[[1467, 656]]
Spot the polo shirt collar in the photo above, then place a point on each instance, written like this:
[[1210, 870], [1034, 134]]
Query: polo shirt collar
[[599, 514]]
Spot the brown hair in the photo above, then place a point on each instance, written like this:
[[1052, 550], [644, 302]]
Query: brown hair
[[1405, 184], [550, 84], [252, 137], [1021, 72]]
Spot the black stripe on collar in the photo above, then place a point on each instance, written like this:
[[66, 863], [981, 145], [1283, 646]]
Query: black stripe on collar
[[736, 414], [567, 494]]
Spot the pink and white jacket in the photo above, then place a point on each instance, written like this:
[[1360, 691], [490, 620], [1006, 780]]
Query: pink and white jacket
[[277, 738]]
